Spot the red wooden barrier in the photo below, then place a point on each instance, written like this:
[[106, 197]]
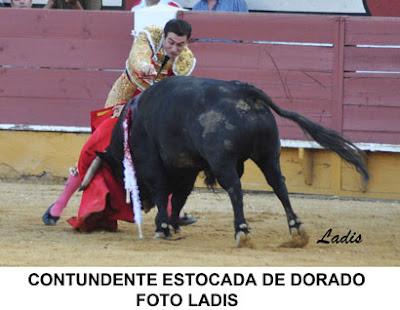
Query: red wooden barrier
[[371, 102], [298, 77], [372, 30], [54, 97], [66, 39], [58, 65], [261, 26]]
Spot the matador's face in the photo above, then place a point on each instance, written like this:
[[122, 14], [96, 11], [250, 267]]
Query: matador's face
[[174, 44]]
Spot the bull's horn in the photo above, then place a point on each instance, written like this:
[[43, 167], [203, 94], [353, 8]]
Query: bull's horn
[[94, 166]]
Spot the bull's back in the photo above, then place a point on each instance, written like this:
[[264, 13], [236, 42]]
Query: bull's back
[[190, 118]]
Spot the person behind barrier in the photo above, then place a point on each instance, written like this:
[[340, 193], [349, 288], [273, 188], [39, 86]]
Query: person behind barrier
[[74, 4], [221, 5], [155, 55], [139, 4]]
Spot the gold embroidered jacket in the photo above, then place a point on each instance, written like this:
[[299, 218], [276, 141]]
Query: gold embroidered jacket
[[147, 49]]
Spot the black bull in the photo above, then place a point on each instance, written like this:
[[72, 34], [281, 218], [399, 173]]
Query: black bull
[[184, 125]]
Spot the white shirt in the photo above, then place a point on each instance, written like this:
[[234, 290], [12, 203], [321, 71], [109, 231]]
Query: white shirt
[[143, 4], [157, 15]]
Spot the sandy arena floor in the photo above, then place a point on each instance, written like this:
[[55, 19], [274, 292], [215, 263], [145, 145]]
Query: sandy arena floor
[[25, 241]]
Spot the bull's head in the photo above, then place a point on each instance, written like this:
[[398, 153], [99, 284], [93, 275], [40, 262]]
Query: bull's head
[[117, 170]]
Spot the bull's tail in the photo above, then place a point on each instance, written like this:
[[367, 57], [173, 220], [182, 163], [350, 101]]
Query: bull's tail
[[327, 138]]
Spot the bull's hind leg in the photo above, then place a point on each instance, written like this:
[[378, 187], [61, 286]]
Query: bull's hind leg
[[272, 172], [228, 178]]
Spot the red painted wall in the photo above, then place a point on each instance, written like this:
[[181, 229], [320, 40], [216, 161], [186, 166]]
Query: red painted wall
[[383, 7], [54, 75], [57, 65]]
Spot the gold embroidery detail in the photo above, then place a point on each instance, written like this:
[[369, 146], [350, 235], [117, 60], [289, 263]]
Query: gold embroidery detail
[[146, 44], [98, 114], [121, 92], [142, 52], [140, 55], [184, 63], [117, 109], [156, 34]]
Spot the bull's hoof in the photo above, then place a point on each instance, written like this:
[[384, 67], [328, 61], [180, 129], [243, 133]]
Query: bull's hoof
[[243, 240], [187, 219], [299, 238], [161, 235]]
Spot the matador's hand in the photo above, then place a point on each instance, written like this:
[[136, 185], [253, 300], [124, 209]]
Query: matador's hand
[[147, 71]]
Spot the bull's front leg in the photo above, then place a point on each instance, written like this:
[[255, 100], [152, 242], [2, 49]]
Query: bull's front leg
[[161, 220], [179, 197], [176, 209]]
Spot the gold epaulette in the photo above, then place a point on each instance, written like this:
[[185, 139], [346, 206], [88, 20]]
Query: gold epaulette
[[184, 64], [154, 35]]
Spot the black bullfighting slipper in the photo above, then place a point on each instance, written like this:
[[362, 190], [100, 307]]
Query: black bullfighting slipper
[[49, 219], [187, 219]]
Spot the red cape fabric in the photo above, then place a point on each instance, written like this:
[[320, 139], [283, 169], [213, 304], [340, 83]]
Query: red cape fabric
[[99, 116], [103, 202]]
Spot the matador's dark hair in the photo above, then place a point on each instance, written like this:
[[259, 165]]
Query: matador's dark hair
[[179, 27]]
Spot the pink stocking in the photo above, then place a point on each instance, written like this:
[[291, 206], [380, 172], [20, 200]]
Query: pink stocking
[[70, 188]]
